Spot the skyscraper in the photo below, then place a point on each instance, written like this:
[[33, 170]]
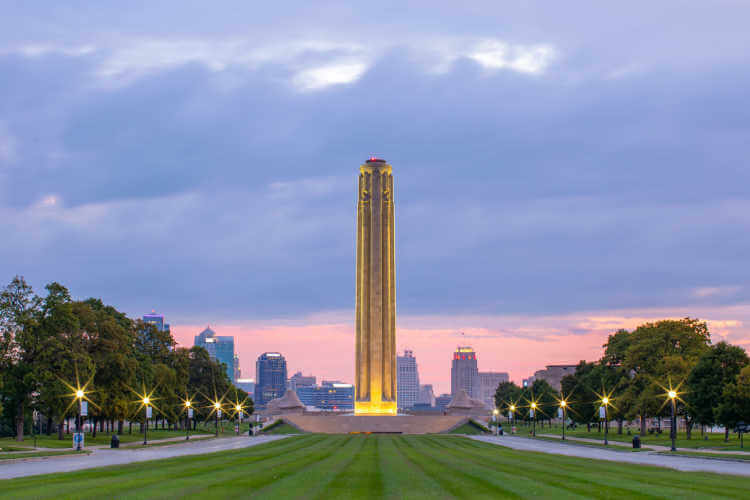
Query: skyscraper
[[298, 380], [270, 377], [464, 372], [157, 320], [375, 350], [426, 395], [488, 382], [408, 379], [220, 348]]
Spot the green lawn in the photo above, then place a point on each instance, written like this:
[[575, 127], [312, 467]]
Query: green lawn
[[469, 428], [717, 456], [715, 440], [43, 441], [374, 466]]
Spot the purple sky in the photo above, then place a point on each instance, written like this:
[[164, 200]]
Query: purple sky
[[561, 168]]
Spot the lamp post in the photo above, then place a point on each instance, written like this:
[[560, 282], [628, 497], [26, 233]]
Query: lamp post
[[217, 414], [79, 397], [532, 411], [605, 403], [238, 408], [188, 417], [494, 420], [147, 404], [673, 422], [511, 416], [563, 407]]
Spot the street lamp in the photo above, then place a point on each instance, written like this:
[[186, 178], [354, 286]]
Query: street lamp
[[511, 416], [146, 401], [188, 417], [79, 396], [563, 407], [672, 394], [532, 412], [217, 415], [603, 413], [494, 420]]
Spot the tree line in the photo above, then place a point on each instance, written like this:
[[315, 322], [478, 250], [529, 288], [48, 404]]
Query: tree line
[[639, 368], [51, 344]]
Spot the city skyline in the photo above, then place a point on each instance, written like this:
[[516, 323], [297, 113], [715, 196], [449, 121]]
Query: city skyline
[[556, 181]]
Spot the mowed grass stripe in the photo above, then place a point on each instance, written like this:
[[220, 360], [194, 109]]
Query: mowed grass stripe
[[132, 477], [643, 481], [403, 478], [372, 466], [309, 481], [457, 478], [242, 477], [539, 479], [362, 475]]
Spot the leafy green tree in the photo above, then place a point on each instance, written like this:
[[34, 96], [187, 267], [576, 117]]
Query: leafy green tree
[[507, 393], [715, 370], [735, 401]]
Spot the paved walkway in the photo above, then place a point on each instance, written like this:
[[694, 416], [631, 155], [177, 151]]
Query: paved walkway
[[655, 447], [105, 457], [678, 462]]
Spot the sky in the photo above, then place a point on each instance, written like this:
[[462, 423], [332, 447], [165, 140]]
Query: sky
[[561, 169]]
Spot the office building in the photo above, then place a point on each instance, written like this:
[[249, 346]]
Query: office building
[[220, 348], [270, 377], [247, 385], [442, 401], [488, 382], [333, 396], [552, 374], [464, 372], [298, 380], [157, 320], [426, 395], [407, 379]]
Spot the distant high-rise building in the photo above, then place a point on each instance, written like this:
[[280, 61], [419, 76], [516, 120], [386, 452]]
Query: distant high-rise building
[[488, 382], [157, 320], [237, 371], [247, 385], [464, 372], [298, 380], [426, 395], [336, 396], [220, 348], [442, 401], [270, 377], [552, 374], [407, 380]]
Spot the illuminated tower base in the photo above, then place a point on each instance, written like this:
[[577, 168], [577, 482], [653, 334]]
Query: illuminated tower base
[[375, 371]]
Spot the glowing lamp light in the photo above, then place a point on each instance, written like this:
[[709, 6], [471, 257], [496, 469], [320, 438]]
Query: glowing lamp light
[[495, 412], [512, 407], [217, 405], [187, 404], [533, 406], [238, 408], [605, 400], [563, 404], [146, 400], [672, 394], [79, 394]]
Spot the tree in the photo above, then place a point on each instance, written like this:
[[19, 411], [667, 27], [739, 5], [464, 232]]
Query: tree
[[714, 371], [507, 393], [735, 401]]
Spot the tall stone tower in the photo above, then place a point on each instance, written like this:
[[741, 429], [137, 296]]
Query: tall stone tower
[[375, 376]]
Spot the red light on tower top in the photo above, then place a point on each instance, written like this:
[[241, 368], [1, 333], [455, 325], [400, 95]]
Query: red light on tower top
[[375, 159]]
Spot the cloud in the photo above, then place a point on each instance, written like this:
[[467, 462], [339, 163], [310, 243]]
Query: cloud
[[7, 145], [496, 54], [331, 74], [715, 291]]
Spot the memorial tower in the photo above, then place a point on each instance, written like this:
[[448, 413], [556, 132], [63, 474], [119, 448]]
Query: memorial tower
[[375, 376]]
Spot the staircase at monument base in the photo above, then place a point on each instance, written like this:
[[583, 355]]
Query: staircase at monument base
[[345, 424]]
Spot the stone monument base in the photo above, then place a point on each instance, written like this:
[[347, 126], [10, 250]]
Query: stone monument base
[[348, 424]]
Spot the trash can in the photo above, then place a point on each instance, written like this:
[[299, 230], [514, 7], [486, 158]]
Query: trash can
[[115, 443], [636, 441]]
